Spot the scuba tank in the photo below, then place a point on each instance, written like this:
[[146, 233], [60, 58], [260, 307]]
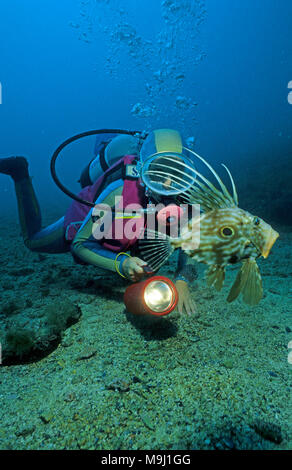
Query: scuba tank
[[109, 148], [101, 161]]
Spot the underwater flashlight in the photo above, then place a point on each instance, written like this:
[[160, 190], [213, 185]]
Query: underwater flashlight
[[154, 296]]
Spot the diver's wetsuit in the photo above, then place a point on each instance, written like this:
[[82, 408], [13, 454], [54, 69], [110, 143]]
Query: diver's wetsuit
[[44, 240], [84, 247]]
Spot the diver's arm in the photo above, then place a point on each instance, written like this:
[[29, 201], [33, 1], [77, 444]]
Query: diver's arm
[[90, 251], [86, 248]]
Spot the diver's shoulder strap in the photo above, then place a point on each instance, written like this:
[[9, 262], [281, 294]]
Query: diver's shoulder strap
[[124, 169], [102, 160]]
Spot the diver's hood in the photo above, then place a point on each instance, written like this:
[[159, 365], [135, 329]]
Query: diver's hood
[[164, 166]]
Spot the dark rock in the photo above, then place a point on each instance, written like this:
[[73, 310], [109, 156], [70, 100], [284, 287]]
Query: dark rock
[[272, 374], [22, 272], [10, 308], [86, 354], [26, 431], [119, 385], [269, 431], [18, 342]]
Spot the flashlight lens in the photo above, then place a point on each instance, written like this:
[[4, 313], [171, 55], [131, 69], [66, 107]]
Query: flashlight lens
[[158, 296]]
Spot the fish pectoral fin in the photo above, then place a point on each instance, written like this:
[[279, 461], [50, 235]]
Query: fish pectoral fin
[[236, 287], [155, 248], [215, 276], [248, 282], [252, 291]]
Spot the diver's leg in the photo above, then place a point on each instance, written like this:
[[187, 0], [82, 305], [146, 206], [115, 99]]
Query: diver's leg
[[47, 240]]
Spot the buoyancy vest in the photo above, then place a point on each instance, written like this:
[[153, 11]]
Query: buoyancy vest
[[133, 193]]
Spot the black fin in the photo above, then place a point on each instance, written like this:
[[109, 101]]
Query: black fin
[[16, 167]]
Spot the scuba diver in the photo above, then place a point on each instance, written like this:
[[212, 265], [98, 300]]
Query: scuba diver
[[120, 170]]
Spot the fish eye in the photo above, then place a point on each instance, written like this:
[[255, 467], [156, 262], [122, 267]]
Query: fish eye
[[256, 221], [227, 232]]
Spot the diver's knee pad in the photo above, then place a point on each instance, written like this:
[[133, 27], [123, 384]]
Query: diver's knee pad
[[112, 152]]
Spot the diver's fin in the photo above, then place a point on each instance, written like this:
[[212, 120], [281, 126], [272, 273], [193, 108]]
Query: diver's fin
[[16, 167], [249, 282], [155, 248], [215, 276]]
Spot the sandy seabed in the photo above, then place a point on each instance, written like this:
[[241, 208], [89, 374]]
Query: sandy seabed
[[217, 380]]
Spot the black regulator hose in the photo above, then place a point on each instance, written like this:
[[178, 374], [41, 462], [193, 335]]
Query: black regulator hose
[[69, 141]]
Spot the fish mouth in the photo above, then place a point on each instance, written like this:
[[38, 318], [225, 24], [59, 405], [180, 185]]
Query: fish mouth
[[250, 251], [270, 240]]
